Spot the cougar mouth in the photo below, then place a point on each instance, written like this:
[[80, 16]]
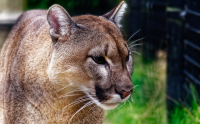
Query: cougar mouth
[[106, 103], [110, 106]]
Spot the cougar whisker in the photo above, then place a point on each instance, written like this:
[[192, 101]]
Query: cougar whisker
[[132, 46], [69, 93], [136, 52], [132, 99], [63, 87], [118, 108], [135, 86], [130, 104], [136, 41], [134, 34], [76, 102], [86, 105], [93, 107]]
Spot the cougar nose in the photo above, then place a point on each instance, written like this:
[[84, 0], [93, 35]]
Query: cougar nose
[[123, 94]]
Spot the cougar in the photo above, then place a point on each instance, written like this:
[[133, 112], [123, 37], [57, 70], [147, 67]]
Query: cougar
[[57, 69]]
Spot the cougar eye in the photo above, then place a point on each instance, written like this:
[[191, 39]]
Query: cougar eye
[[127, 58], [99, 59]]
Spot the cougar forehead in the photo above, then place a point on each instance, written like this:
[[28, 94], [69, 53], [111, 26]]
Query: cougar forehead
[[98, 25], [103, 33]]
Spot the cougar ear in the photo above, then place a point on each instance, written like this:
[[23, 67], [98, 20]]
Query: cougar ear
[[61, 24], [116, 14]]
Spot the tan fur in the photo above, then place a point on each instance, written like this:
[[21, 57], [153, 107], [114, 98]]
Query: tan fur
[[34, 67]]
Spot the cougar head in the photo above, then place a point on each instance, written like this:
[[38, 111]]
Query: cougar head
[[90, 53]]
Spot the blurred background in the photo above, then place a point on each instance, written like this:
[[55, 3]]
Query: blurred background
[[165, 51]]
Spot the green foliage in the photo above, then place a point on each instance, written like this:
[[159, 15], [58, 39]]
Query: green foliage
[[33, 4]]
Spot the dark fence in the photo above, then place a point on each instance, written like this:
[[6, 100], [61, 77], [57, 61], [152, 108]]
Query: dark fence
[[175, 34], [155, 27], [149, 16], [173, 26], [183, 47], [192, 42]]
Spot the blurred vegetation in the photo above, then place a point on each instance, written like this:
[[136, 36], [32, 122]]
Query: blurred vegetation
[[76, 7]]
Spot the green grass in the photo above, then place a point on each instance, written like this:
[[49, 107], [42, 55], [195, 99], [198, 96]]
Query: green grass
[[148, 96], [187, 113]]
